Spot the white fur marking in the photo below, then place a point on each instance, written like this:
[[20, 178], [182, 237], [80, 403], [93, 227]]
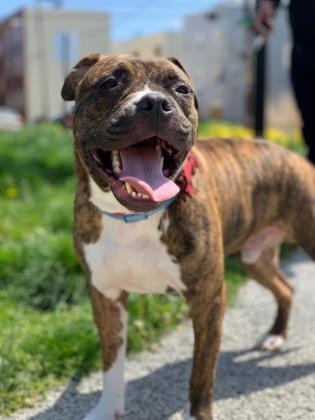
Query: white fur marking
[[135, 97], [111, 403], [271, 342], [105, 201], [183, 415], [130, 256]]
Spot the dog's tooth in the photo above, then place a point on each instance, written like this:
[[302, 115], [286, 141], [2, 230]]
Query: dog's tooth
[[158, 148], [116, 163], [117, 170], [115, 154], [129, 188], [145, 196], [134, 194]]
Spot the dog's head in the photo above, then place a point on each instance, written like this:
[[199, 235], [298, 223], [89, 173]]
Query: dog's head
[[134, 124]]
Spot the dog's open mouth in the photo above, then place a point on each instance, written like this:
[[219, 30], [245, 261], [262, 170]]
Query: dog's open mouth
[[142, 172]]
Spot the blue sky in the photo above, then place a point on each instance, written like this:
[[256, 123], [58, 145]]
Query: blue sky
[[129, 17]]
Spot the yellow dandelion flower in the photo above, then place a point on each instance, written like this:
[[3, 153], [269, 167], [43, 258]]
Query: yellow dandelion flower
[[11, 192]]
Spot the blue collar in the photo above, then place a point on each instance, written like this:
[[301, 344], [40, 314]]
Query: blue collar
[[138, 217]]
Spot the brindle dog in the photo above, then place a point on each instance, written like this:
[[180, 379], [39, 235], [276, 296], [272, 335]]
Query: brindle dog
[[135, 123]]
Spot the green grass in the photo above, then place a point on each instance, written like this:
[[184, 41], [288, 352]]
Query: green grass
[[47, 332], [39, 349]]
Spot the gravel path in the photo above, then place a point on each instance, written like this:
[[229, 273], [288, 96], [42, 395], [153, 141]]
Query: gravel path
[[250, 385]]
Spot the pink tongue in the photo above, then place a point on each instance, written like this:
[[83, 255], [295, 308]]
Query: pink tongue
[[142, 169]]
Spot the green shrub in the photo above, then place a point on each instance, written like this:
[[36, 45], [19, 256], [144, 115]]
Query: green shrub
[[37, 264], [222, 129]]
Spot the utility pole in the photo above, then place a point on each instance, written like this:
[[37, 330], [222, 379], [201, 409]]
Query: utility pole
[[248, 58], [260, 87]]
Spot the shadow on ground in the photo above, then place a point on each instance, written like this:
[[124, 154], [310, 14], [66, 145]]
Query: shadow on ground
[[164, 391]]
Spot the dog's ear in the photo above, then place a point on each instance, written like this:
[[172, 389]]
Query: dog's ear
[[76, 74], [179, 64]]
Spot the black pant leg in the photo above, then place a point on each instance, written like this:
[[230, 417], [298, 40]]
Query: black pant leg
[[303, 80]]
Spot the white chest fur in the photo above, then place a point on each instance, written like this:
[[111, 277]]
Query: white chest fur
[[131, 257]]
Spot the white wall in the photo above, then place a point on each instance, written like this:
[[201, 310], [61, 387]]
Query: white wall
[[220, 60], [213, 46], [165, 43], [44, 71]]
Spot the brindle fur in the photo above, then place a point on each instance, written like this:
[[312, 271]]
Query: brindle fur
[[240, 188]]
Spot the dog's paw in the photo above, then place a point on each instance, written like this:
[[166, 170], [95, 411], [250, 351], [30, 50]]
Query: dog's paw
[[182, 415], [271, 342], [97, 414]]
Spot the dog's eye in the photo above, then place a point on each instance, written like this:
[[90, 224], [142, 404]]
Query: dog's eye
[[108, 84], [183, 89]]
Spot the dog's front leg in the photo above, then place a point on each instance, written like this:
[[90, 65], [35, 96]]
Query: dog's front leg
[[207, 308], [111, 320]]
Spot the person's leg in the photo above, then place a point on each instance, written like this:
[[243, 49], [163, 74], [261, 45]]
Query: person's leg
[[303, 80]]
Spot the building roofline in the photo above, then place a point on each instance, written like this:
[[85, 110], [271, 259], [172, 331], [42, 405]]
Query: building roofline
[[56, 10], [21, 10], [13, 15]]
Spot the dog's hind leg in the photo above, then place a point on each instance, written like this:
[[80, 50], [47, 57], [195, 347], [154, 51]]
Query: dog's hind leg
[[302, 201], [304, 229], [266, 271], [305, 237]]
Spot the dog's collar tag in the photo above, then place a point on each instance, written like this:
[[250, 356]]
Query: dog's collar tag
[[138, 217]]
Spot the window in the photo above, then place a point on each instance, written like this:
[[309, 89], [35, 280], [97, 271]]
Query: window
[[157, 51], [66, 47]]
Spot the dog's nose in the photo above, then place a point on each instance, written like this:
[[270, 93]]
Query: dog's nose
[[155, 103]]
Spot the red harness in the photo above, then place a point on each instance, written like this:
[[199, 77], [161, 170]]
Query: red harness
[[184, 179]]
